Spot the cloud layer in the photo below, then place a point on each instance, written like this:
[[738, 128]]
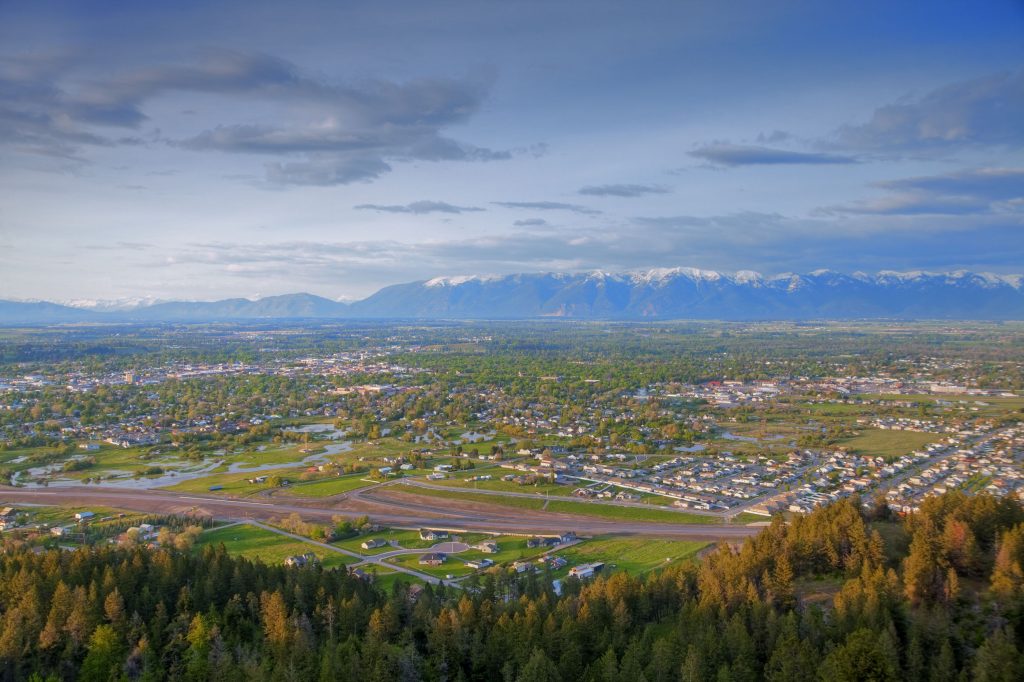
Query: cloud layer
[[331, 133], [751, 155]]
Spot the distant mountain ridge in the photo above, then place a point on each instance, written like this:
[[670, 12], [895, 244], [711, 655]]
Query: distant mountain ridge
[[663, 293]]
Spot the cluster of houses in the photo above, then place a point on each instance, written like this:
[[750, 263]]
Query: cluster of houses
[[972, 459]]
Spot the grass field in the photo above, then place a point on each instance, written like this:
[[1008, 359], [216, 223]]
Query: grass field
[[874, 442], [270, 548], [328, 486], [635, 556], [570, 507], [746, 517]]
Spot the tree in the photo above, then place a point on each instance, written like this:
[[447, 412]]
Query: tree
[[539, 668], [998, 659], [103, 662], [858, 659]]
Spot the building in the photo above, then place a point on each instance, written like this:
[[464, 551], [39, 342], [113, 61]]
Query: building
[[302, 560], [374, 543], [433, 559], [433, 535], [84, 516], [488, 547], [584, 571]]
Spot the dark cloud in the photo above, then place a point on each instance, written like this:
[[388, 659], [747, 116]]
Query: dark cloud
[[748, 155], [531, 222], [341, 132], [981, 112], [978, 191], [419, 208], [547, 206], [626, 191]]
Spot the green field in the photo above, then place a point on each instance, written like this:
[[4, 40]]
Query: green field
[[635, 556], [269, 547], [328, 486], [875, 442]]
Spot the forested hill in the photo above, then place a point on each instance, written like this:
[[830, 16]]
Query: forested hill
[[939, 596]]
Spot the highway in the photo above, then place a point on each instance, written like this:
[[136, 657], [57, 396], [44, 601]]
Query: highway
[[400, 510]]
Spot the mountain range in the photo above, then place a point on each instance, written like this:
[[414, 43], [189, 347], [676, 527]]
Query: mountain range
[[664, 293]]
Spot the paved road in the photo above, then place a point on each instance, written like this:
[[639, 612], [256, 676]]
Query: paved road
[[389, 511]]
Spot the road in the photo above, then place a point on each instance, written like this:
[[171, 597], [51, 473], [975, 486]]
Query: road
[[403, 511]]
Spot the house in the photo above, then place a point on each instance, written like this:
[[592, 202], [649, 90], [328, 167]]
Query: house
[[8, 513], [360, 574], [480, 563], [532, 543], [567, 537], [522, 566], [433, 559], [487, 547], [374, 543], [433, 535], [302, 560], [88, 447], [84, 516], [58, 531], [584, 571]]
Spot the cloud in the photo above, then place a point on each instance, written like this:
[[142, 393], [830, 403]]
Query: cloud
[[981, 112], [970, 192], [531, 222], [625, 191], [748, 240], [749, 155], [548, 206], [327, 172], [335, 133], [419, 208]]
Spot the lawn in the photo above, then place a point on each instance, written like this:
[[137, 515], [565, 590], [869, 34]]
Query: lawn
[[874, 442], [634, 556], [452, 566], [269, 547], [407, 539]]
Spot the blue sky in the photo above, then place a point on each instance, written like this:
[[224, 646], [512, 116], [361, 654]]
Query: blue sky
[[210, 149]]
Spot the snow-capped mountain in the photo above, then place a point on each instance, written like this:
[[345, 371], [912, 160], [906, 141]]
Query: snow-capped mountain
[[672, 293], [662, 293]]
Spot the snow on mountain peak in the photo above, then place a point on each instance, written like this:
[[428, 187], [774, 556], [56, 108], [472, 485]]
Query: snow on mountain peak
[[451, 281]]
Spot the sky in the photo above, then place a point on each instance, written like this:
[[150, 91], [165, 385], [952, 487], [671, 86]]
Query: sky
[[204, 150]]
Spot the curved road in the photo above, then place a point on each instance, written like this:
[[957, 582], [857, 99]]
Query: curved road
[[391, 511]]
